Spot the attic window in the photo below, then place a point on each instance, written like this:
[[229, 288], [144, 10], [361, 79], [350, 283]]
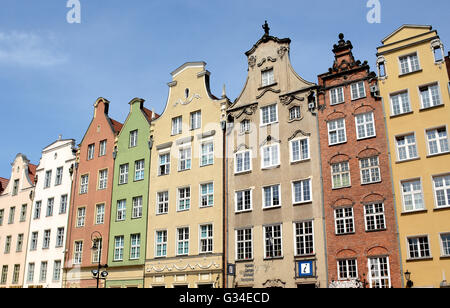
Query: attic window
[[267, 77], [186, 93], [438, 54]]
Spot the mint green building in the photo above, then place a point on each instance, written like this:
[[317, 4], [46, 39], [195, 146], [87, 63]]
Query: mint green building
[[129, 206]]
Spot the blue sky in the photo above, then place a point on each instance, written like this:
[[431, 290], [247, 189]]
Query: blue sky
[[51, 72]]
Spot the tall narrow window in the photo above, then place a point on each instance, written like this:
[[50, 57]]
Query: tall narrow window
[[102, 179], [81, 215], [304, 238], [139, 170], [30, 275], [164, 164], [163, 203], [137, 207], [161, 243], [59, 175], [98, 243], [57, 270], [184, 159], [123, 174], [118, 248], [91, 150], [12, 213], [207, 195], [46, 240], [196, 120], [182, 241], [33, 241], [19, 242], [344, 220], [301, 191], [63, 204], [121, 210], [184, 198], [102, 151], [23, 213], [207, 153], [242, 162], [135, 249], [43, 272], [16, 274], [270, 156], [206, 239], [269, 114], [15, 187], [37, 210], [50, 205], [99, 214], [133, 138], [374, 217], [177, 125], [48, 178], [8, 244], [243, 200], [84, 184], [273, 247], [442, 190], [271, 196], [60, 237], [370, 170], [299, 149], [78, 252], [245, 126], [340, 173], [244, 244], [294, 113]]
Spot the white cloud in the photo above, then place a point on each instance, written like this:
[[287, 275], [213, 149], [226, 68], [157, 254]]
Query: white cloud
[[30, 49]]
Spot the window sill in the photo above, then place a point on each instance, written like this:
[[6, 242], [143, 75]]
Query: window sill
[[243, 211], [271, 207], [268, 124], [343, 234], [365, 138], [377, 230], [444, 257], [336, 144], [419, 259], [311, 255], [442, 208], [273, 258], [271, 167], [407, 160], [431, 107], [159, 214], [337, 103], [410, 73], [359, 98], [438, 154], [401, 114], [300, 161], [343, 187], [413, 212], [244, 260], [370, 183], [268, 86], [243, 172], [302, 203]]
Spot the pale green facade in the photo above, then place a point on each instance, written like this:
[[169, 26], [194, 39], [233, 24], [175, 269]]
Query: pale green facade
[[126, 255]]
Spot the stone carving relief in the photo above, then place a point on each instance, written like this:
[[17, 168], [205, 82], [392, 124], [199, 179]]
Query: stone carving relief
[[252, 61], [188, 100]]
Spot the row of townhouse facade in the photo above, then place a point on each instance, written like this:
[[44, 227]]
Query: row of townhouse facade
[[340, 183]]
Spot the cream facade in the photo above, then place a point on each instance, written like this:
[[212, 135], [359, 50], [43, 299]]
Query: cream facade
[[413, 82], [15, 212], [185, 219], [275, 226], [49, 215]]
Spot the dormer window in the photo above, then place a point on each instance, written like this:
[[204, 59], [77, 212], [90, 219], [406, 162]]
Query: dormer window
[[267, 77]]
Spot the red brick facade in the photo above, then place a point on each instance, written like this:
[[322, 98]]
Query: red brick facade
[[101, 128], [355, 242]]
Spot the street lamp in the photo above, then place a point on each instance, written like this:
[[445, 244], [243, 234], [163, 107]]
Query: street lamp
[[96, 239], [409, 283]]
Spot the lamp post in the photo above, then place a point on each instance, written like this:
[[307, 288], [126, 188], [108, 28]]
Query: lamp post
[[409, 283], [97, 244]]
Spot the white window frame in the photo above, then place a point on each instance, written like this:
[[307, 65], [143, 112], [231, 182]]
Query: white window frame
[[121, 212], [206, 157], [185, 161], [187, 200], [242, 155], [135, 246], [442, 143], [243, 244], [165, 164], [301, 149], [412, 193], [102, 150], [81, 216], [337, 96], [161, 246], [279, 238], [420, 246], [302, 186], [78, 252], [272, 162], [245, 126], [119, 244], [123, 173], [409, 147], [336, 131], [46, 239], [196, 120], [340, 174], [373, 169], [270, 113], [441, 241], [445, 187], [245, 207], [133, 139], [162, 204], [304, 242], [295, 113], [137, 207], [57, 265], [184, 241], [349, 274], [139, 170], [63, 204], [358, 90], [209, 239], [402, 95], [91, 151], [377, 218], [102, 179], [60, 237], [344, 220], [48, 178], [177, 125], [84, 184], [267, 77], [208, 194], [429, 92], [271, 205], [365, 124], [409, 67], [375, 270], [59, 176], [100, 214]]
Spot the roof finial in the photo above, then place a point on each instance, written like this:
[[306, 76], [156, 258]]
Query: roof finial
[[266, 28], [224, 94]]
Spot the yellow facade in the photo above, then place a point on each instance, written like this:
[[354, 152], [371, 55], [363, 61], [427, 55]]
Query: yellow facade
[[185, 224], [413, 82]]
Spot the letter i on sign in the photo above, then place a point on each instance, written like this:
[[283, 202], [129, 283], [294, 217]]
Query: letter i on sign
[[74, 15]]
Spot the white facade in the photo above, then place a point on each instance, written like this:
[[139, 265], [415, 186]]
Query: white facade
[[49, 216]]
